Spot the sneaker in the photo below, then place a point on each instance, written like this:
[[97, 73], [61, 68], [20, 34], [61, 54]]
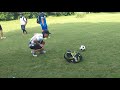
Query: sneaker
[[34, 55], [42, 52], [3, 37]]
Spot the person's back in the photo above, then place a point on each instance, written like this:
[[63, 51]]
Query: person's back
[[38, 37], [23, 20]]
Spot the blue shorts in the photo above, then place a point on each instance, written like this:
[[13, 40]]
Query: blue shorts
[[44, 27]]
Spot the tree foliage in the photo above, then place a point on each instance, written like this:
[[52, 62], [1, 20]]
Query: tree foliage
[[5, 16]]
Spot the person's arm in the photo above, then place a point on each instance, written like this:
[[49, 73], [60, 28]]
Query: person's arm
[[25, 20], [41, 44], [35, 41]]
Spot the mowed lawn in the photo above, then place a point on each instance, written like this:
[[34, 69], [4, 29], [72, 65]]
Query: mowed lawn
[[99, 32]]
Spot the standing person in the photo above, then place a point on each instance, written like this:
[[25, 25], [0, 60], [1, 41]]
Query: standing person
[[36, 43], [1, 33], [42, 21], [23, 22]]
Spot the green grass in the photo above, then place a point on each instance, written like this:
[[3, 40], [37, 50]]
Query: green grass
[[99, 32]]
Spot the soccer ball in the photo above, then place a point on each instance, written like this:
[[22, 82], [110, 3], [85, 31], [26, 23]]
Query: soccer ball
[[82, 47]]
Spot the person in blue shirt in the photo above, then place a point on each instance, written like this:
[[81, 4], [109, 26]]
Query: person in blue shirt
[[42, 21]]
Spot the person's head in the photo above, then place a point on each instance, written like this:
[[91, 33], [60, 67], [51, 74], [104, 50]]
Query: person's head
[[46, 34], [42, 14]]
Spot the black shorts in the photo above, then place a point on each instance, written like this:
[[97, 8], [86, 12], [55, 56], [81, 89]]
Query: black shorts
[[0, 27], [23, 27], [36, 46]]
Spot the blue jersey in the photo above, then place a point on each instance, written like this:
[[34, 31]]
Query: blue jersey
[[42, 16], [44, 19], [43, 25]]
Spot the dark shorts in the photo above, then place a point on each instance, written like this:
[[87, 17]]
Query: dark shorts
[[23, 27], [0, 27], [34, 46]]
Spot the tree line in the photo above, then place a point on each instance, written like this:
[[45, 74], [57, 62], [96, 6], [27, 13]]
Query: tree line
[[6, 16]]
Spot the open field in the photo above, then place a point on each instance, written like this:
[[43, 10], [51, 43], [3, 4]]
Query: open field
[[99, 32]]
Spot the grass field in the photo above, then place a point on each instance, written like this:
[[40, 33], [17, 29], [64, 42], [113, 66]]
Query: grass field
[[99, 32]]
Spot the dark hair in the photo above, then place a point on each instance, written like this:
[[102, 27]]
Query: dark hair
[[42, 14], [46, 32]]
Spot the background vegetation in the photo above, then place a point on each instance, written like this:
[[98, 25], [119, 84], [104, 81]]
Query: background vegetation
[[5, 16]]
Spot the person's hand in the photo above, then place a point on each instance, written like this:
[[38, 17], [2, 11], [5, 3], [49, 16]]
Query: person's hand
[[41, 45]]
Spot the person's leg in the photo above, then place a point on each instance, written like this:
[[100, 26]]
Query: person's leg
[[1, 33], [35, 49], [23, 28], [2, 36], [41, 27], [44, 27], [34, 53]]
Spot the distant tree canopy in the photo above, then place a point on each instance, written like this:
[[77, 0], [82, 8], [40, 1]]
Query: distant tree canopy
[[6, 16]]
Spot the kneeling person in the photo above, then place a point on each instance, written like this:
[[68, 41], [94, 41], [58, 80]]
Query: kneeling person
[[37, 44]]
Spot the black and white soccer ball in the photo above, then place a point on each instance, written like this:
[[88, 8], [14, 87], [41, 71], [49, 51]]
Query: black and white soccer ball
[[82, 47]]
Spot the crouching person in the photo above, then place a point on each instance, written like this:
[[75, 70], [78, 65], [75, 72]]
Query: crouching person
[[37, 43]]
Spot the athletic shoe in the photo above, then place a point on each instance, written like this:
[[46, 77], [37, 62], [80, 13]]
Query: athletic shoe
[[3, 37], [34, 55]]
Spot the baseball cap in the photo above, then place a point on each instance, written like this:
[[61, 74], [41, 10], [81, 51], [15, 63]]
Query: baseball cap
[[46, 32], [42, 14]]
